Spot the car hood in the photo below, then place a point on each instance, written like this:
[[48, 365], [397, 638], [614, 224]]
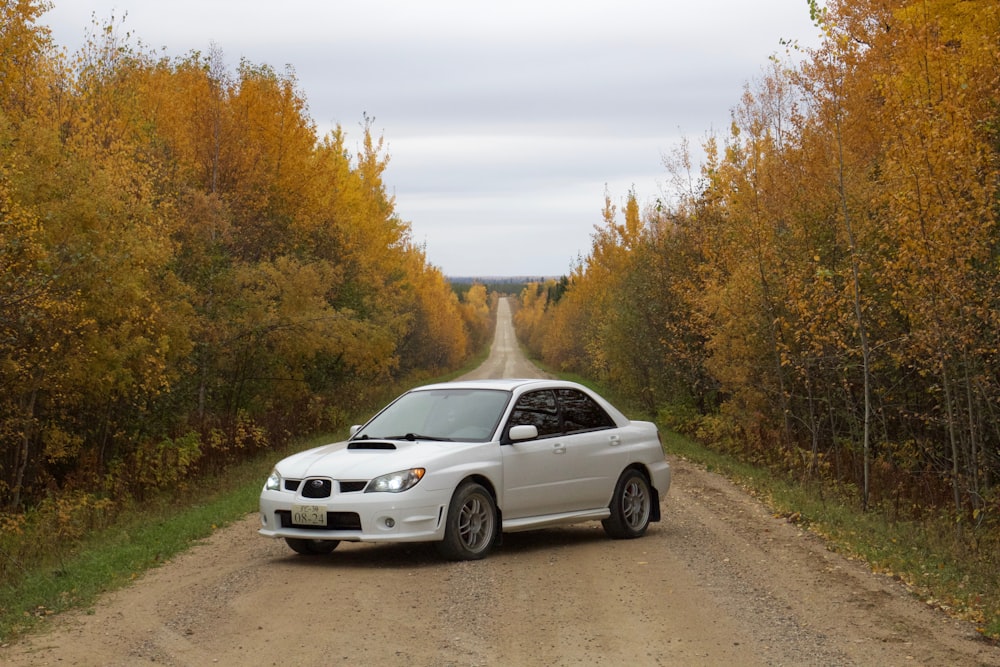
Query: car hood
[[365, 459]]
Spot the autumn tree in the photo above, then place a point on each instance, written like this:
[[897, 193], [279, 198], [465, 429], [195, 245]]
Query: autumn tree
[[939, 187], [830, 277], [476, 309], [189, 271]]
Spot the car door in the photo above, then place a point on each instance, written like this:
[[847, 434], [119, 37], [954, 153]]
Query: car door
[[594, 457], [532, 467], [573, 464]]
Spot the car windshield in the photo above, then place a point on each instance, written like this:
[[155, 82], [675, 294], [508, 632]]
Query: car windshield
[[470, 415]]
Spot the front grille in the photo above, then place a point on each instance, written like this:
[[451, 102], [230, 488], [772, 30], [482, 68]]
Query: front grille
[[351, 487], [334, 521], [317, 488], [323, 492]]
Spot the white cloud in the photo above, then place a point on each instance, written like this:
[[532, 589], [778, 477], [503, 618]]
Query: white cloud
[[505, 120]]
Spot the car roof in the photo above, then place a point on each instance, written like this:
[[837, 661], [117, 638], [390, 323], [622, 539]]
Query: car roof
[[515, 385], [505, 384]]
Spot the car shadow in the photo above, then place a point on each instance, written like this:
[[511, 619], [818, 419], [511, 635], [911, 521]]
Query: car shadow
[[425, 555], [552, 538]]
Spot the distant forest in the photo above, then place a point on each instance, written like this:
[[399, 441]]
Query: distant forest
[[507, 286]]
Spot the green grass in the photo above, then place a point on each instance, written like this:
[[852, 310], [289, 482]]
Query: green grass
[[140, 538]]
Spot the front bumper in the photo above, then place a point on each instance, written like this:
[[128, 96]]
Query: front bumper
[[359, 517]]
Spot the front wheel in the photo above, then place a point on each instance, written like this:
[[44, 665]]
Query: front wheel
[[471, 527], [630, 507], [311, 547]]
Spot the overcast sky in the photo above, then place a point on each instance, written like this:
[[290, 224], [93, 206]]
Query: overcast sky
[[506, 120]]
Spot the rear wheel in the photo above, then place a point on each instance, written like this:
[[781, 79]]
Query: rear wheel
[[471, 525], [311, 547], [630, 507]]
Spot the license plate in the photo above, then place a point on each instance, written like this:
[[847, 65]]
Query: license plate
[[309, 515]]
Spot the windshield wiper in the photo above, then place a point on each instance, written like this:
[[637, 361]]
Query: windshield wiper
[[413, 437]]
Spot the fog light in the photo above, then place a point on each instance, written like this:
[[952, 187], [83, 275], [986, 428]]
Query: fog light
[[390, 522]]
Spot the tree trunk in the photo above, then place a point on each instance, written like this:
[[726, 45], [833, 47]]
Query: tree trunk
[[21, 464]]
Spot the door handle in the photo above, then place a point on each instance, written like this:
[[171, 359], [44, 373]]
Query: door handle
[[614, 440], [558, 448]]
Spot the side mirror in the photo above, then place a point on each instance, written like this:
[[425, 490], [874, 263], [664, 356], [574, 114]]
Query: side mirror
[[523, 432], [355, 429]]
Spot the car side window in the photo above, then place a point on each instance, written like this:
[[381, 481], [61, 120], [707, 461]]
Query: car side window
[[538, 409], [581, 412]]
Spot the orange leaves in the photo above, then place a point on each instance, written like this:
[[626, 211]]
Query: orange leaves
[[475, 310], [180, 254], [23, 65], [22, 259], [832, 284]]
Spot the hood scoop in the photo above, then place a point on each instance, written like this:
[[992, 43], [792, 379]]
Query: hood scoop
[[370, 444]]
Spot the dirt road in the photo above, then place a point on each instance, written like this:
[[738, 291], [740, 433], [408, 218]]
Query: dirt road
[[718, 582]]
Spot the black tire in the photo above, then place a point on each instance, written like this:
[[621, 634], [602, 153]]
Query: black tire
[[631, 506], [471, 526], [311, 547]]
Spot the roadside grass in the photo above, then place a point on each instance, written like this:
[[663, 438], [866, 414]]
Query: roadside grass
[[141, 537]]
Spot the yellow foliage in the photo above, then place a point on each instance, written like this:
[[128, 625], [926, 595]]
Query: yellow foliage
[[59, 445], [12, 524], [827, 295], [187, 270]]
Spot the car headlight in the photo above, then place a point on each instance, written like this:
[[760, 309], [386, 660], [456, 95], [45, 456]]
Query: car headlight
[[396, 482], [273, 482]]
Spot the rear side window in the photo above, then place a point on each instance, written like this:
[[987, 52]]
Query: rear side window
[[581, 412]]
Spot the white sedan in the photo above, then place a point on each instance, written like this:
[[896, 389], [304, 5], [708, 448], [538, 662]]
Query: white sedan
[[461, 463]]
